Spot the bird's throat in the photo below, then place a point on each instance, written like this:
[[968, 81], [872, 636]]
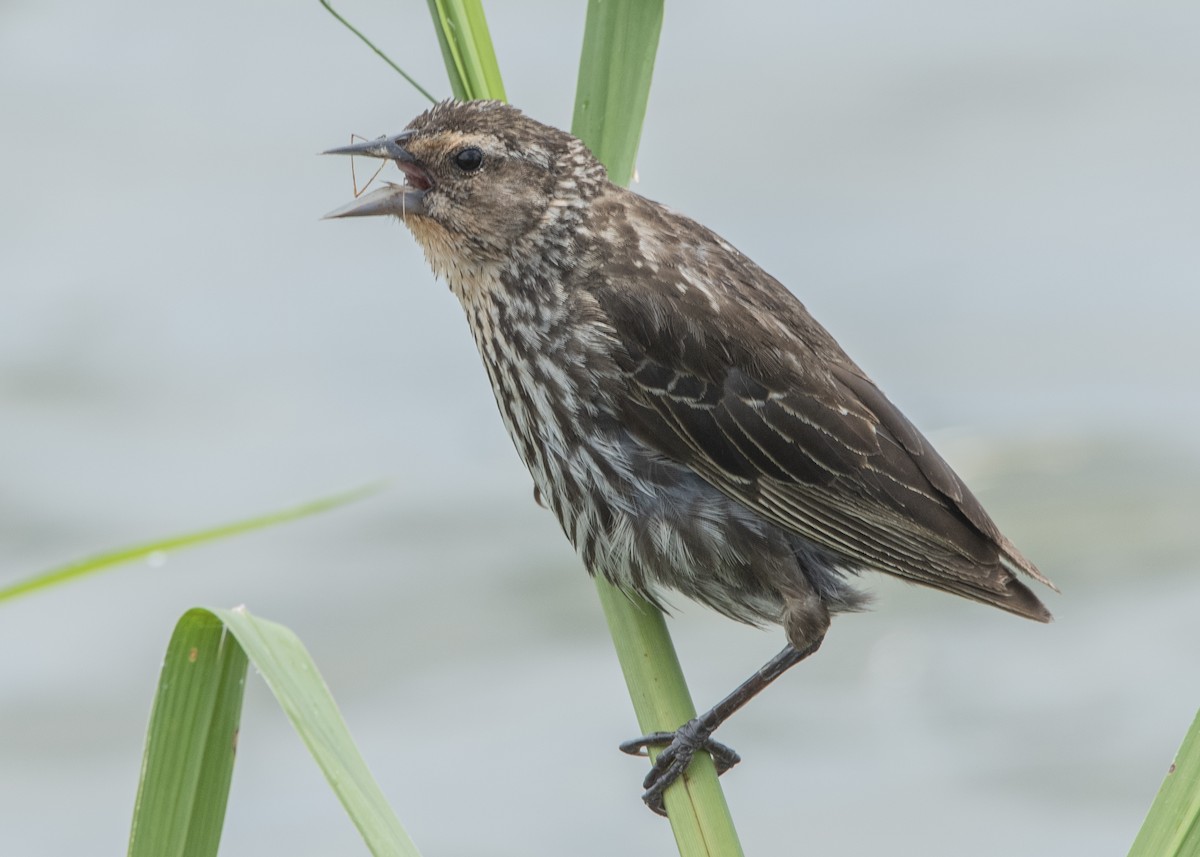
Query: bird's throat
[[471, 279]]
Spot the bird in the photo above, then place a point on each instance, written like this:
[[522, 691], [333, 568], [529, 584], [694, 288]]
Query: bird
[[690, 425]]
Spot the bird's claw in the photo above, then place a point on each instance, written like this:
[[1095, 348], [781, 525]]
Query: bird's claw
[[678, 748]]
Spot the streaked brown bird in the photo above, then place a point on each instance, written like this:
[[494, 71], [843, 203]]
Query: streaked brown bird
[[691, 426]]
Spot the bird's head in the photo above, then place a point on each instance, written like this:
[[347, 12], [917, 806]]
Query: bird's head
[[478, 176]]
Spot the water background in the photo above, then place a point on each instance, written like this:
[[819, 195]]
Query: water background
[[994, 208]]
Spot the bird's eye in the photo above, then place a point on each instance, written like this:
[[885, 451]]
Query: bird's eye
[[469, 159]]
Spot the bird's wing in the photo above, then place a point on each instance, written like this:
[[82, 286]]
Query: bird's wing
[[770, 411]]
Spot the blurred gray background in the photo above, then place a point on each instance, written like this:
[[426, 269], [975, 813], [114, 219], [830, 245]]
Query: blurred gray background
[[993, 206]]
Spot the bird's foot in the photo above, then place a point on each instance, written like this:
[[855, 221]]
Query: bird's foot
[[679, 747]]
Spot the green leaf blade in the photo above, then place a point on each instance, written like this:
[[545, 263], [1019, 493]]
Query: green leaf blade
[[615, 69], [146, 550], [192, 738], [412, 81], [294, 679], [695, 803], [1172, 826], [467, 49], [190, 743]]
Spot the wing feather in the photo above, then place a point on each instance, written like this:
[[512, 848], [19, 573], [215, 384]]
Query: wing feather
[[777, 417]]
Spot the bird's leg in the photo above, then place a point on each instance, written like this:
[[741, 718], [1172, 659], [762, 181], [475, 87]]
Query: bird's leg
[[696, 734]]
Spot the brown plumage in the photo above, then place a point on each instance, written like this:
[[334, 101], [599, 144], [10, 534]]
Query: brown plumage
[[692, 427]]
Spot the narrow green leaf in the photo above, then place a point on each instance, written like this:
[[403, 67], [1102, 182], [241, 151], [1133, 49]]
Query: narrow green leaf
[[145, 550], [192, 736], [695, 803], [289, 671], [454, 70], [620, 41], [470, 59], [380, 53], [619, 45], [190, 743], [1172, 827]]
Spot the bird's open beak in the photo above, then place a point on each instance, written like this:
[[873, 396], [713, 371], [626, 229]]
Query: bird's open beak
[[402, 200]]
